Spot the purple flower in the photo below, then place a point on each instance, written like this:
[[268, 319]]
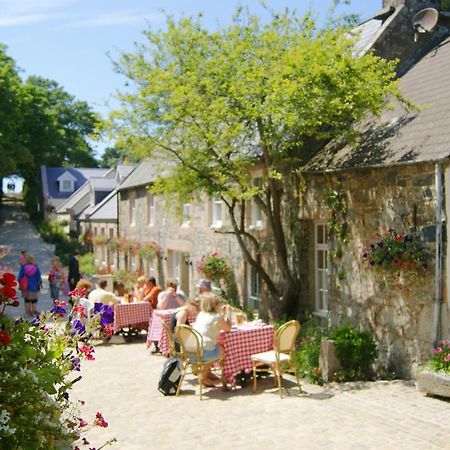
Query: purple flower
[[76, 363], [106, 313], [58, 310], [36, 321], [76, 327]]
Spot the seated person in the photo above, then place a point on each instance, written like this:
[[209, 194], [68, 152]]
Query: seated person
[[172, 297], [119, 288], [214, 316], [101, 295], [152, 292], [191, 307], [139, 289]]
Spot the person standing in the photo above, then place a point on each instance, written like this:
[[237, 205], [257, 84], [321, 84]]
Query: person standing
[[74, 270], [30, 282], [55, 278]]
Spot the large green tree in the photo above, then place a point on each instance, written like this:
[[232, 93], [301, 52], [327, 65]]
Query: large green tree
[[251, 95]]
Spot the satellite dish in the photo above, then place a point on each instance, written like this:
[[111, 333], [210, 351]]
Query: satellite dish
[[425, 20]]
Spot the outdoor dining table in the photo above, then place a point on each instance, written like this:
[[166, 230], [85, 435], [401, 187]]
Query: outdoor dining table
[[136, 315], [240, 344], [156, 332]]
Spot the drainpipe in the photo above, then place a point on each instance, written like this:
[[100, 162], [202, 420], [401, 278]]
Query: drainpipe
[[438, 269]]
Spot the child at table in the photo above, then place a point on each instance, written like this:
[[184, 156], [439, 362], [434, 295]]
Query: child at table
[[214, 317]]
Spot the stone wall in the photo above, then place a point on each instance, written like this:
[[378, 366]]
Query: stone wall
[[398, 314], [188, 242]]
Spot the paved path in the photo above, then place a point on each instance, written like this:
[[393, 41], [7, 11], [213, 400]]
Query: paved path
[[17, 232], [122, 383]]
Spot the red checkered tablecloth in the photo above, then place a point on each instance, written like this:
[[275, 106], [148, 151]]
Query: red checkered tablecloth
[[132, 314], [240, 344], [157, 333]]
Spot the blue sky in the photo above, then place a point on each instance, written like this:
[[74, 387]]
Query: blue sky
[[69, 40]]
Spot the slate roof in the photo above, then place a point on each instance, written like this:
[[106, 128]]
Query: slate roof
[[144, 173], [51, 174], [400, 136], [75, 198], [106, 210]]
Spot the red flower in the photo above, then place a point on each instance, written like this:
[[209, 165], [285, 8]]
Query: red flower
[[80, 310], [4, 338], [82, 423], [100, 421], [8, 279], [15, 303], [8, 291]]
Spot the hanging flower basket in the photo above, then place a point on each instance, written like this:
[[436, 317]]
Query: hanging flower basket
[[398, 258], [214, 267], [100, 239], [147, 251]]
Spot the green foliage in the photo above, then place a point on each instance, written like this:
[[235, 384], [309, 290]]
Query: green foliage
[[441, 358], [124, 276], [308, 351], [87, 265], [53, 232], [39, 360], [206, 104], [356, 351]]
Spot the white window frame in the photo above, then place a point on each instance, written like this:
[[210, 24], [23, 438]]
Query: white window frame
[[132, 211], [175, 265], [321, 250], [66, 185], [186, 214], [216, 212], [253, 288], [150, 209]]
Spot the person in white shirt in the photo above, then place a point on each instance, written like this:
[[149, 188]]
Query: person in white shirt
[[101, 295], [214, 317]]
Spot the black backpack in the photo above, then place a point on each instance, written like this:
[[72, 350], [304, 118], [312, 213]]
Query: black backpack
[[170, 376]]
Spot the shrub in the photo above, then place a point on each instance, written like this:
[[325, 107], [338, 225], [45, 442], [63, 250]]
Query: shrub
[[124, 276], [356, 351], [87, 265], [308, 351]]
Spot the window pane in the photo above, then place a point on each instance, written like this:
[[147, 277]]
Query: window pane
[[320, 259], [320, 234]]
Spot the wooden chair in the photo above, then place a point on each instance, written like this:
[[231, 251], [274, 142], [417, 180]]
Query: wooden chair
[[281, 357], [191, 354], [170, 339]]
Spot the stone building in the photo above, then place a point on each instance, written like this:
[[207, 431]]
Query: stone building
[[395, 177]]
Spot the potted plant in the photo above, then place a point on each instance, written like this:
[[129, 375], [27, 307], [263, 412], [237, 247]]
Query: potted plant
[[434, 378]]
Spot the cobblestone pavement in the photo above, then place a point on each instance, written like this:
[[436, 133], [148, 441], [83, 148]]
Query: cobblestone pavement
[[122, 383]]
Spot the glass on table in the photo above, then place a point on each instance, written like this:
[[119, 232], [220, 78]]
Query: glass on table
[[255, 314]]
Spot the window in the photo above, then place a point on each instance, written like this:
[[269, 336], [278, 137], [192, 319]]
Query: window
[[66, 182], [321, 268], [132, 209], [67, 186], [174, 265], [216, 212], [111, 233], [150, 209], [256, 214], [254, 288], [186, 215]]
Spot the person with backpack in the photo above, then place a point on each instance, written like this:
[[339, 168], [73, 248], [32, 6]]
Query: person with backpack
[[30, 283]]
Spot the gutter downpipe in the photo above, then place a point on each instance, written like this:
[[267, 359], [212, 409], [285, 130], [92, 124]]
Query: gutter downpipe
[[438, 268]]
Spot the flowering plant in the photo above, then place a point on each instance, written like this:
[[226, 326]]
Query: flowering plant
[[395, 252], [214, 267], [441, 358], [39, 361]]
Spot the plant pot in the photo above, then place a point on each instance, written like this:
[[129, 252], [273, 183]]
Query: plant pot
[[433, 383]]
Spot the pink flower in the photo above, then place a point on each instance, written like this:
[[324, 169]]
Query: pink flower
[[88, 352], [437, 350], [447, 357], [80, 310]]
